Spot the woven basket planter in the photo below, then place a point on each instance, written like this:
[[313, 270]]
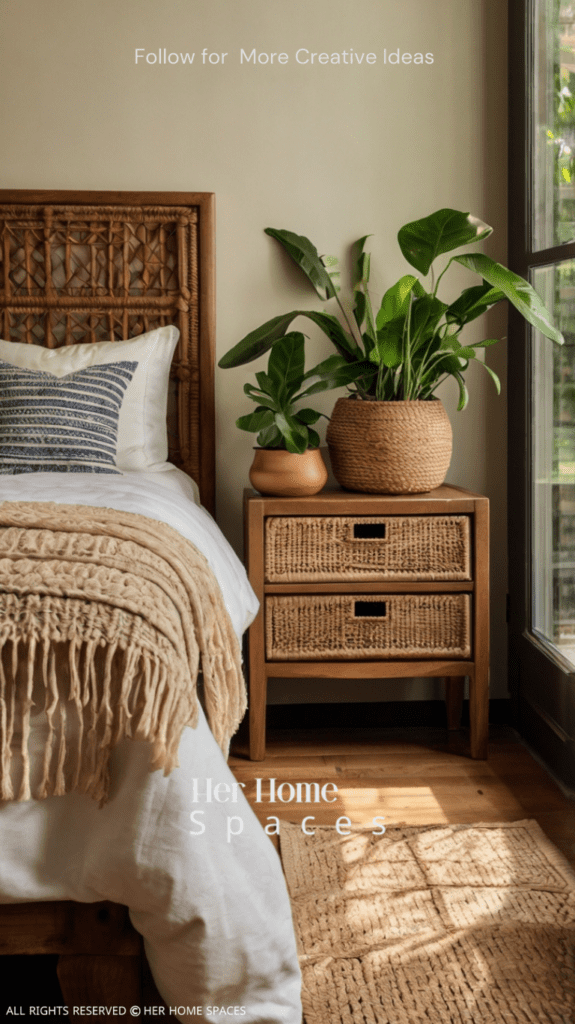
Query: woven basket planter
[[389, 447]]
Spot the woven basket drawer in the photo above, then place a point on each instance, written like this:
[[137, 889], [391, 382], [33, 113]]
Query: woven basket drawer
[[329, 627], [307, 549]]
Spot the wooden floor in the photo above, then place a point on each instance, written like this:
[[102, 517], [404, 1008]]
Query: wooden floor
[[416, 776]]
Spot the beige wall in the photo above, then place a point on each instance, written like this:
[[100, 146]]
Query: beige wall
[[331, 151]]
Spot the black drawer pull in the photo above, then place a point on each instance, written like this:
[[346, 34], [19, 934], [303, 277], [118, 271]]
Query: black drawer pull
[[370, 609], [369, 531]]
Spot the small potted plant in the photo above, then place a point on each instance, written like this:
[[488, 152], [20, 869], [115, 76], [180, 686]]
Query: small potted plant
[[391, 434], [288, 460]]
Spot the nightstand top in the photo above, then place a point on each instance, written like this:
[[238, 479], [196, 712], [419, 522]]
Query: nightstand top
[[335, 501]]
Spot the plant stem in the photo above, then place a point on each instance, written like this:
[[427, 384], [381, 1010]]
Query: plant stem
[[427, 361], [379, 384], [434, 293], [440, 381]]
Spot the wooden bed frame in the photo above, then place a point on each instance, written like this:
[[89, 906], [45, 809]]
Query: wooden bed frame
[[107, 266], [102, 266]]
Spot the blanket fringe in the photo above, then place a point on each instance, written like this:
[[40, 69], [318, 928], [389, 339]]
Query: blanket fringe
[[114, 691], [104, 618]]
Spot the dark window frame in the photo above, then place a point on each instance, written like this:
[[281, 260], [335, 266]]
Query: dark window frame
[[529, 654]]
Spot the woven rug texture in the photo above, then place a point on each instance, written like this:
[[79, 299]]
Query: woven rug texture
[[439, 924]]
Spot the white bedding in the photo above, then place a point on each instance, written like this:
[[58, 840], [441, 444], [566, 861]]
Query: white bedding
[[214, 913]]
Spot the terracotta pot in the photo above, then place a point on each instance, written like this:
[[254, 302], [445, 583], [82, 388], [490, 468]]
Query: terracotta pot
[[275, 471], [389, 447]]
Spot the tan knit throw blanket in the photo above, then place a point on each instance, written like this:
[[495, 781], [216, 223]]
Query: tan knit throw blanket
[[103, 618]]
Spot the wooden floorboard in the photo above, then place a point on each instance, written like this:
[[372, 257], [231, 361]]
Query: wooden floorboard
[[414, 776]]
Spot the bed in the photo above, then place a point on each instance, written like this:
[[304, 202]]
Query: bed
[[201, 880]]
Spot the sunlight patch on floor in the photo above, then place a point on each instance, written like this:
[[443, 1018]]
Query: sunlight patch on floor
[[400, 804]]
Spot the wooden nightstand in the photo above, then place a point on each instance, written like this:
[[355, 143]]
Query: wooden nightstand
[[377, 586]]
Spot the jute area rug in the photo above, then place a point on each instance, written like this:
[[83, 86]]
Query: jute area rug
[[441, 923]]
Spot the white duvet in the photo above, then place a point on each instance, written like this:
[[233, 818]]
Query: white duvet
[[211, 905]]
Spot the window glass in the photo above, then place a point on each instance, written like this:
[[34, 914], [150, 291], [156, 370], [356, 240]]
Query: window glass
[[553, 444], [554, 123]]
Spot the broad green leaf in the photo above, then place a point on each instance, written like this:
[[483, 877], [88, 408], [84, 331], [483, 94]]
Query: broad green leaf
[[364, 268], [452, 364], [370, 328], [422, 241], [257, 342], [286, 362], [395, 302], [255, 420], [270, 437], [294, 434], [360, 273], [308, 415], [451, 329], [451, 342], [266, 384], [324, 378], [468, 352], [331, 326], [516, 289], [472, 303], [359, 308], [259, 397], [327, 367], [425, 316], [313, 438], [368, 342], [358, 267], [454, 344], [364, 384], [305, 254], [389, 345]]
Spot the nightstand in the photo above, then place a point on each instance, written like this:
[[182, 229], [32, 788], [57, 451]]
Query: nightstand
[[370, 586]]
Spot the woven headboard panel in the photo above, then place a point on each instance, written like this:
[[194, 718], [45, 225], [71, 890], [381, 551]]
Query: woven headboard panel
[[106, 266]]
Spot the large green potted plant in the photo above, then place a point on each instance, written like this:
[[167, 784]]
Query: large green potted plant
[[391, 434], [287, 460]]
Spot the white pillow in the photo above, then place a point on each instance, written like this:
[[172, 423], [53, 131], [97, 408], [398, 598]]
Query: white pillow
[[142, 432]]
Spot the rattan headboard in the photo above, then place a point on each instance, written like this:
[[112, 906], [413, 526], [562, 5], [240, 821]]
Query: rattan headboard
[[105, 266]]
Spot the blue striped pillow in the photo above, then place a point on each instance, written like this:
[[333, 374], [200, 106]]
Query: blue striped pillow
[[61, 424]]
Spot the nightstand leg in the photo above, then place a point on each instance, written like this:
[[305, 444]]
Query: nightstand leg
[[454, 700], [479, 711], [257, 710]]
